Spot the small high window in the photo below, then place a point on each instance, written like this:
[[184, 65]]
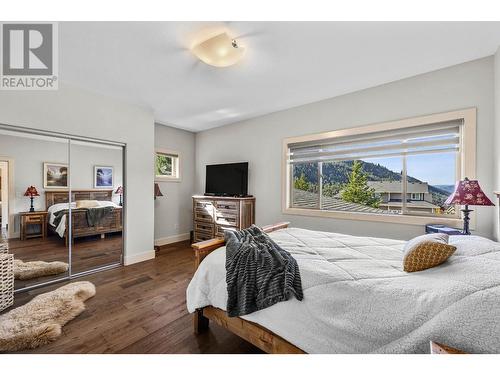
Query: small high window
[[166, 165]]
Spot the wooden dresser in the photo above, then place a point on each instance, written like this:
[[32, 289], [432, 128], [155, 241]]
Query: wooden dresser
[[213, 215]]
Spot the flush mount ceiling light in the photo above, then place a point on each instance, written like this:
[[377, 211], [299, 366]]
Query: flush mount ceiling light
[[219, 51]]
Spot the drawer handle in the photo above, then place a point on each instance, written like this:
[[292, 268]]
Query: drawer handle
[[204, 216], [222, 218]]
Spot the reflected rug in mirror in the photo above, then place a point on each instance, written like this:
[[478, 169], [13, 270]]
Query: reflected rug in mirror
[[40, 321], [31, 270]]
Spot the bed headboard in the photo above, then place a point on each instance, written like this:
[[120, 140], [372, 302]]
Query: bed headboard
[[61, 196]]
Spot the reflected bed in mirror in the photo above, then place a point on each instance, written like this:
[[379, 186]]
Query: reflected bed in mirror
[[96, 223], [93, 246], [93, 213]]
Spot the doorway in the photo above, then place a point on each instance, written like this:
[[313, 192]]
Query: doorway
[[4, 197]]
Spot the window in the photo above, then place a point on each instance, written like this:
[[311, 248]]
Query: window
[[166, 165], [387, 172], [417, 196]]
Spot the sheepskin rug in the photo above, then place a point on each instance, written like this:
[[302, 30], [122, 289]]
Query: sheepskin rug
[[40, 321], [31, 270]]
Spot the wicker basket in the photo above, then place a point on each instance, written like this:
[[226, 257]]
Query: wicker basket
[[6, 280], [4, 249]]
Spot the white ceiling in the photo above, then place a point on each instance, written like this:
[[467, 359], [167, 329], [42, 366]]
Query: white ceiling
[[286, 63]]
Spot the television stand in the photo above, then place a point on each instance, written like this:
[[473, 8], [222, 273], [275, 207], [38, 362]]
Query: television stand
[[213, 215]]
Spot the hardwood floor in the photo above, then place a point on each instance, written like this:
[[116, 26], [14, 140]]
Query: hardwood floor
[[87, 253], [141, 309]]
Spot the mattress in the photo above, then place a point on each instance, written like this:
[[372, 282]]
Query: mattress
[[358, 299]]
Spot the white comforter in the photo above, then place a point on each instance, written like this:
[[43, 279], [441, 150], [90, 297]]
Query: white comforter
[[55, 208], [357, 298]]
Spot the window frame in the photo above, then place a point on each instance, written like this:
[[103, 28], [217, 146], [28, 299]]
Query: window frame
[[466, 166], [419, 196], [176, 165]]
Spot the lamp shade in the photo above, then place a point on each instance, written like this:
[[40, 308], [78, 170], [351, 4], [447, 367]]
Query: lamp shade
[[158, 191], [468, 192], [119, 190], [31, 192], [219, 50]]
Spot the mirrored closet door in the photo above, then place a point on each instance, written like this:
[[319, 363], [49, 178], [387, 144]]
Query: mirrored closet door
[[35, 164], [97, 204], [62, 201]]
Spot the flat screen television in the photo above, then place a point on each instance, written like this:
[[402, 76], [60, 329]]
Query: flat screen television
[[227, 179]]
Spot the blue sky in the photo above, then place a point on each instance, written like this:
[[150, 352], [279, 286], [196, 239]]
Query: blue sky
[[436, 169]]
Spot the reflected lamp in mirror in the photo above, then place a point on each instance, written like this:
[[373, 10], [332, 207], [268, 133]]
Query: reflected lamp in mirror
[[119, 191], [468, 193], [157, 191], [31, 192]]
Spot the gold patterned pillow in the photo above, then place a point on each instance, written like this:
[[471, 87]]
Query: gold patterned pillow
[[426, 251], [87, 204]]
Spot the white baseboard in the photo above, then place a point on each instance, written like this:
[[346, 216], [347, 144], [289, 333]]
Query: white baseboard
[[141, 257], [171, 239]]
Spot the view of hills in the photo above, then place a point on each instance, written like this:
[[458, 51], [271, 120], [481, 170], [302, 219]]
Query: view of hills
[[337, 174], [448, 188]]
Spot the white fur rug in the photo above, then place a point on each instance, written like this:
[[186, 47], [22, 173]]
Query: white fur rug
[[40, 321], [31, 270]]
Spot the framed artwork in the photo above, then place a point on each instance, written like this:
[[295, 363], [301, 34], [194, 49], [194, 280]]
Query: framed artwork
[[55, 175], [103, 177]]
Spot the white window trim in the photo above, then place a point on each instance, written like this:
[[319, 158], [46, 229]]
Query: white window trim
[[466, 166], [176, 167], [419, 196]]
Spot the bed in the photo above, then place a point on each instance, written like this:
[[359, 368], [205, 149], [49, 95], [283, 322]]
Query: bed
[[56, 200], [357, 298]]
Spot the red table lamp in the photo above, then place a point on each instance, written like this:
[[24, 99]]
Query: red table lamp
[[31, 192], [468, 193]]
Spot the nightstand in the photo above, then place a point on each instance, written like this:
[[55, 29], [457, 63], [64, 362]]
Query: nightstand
[[439, 228], [38, 218]]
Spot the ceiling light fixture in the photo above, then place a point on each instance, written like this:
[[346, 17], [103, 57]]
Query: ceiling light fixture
[[219, 51]]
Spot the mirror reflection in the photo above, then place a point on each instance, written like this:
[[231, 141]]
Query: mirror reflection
[[31, 166], [96, 203], [61, 205]]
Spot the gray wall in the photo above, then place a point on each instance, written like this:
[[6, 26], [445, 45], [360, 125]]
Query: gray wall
[[173, 211], [79, 112], [259, 140], [28, 166]]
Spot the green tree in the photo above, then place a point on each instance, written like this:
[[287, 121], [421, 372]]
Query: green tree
[[331, 189], [301, 183], [163, 165], [357, 190]]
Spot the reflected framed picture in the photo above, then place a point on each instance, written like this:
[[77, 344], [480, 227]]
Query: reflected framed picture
[[55, 176], [103, 177]]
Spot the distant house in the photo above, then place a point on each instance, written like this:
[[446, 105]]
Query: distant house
[[418, 197]]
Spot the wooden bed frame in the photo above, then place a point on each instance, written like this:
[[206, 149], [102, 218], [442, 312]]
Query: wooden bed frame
[[79, 225], [254, 333]]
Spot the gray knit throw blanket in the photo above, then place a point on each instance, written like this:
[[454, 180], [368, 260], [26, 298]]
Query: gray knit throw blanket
[[259, 273]]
